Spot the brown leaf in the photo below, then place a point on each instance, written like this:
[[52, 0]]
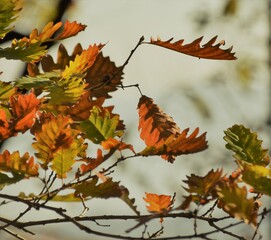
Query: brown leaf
[[103, 77], [202, 189], [207, 50], [63, 58], [162, 135]]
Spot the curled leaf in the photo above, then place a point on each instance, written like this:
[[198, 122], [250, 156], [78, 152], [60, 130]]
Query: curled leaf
[[207, 50], [162, 135]]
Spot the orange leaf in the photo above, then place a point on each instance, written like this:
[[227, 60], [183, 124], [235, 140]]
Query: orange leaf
[[70, 29], [92, 163], [53, 135], [24, 109], [14, 163], [162, 135], [158, 203], [207, 50], [46, 33], [4, 125], [114, 143]]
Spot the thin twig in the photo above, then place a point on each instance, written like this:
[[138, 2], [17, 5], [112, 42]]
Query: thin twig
[[104, 83], [13, 234]]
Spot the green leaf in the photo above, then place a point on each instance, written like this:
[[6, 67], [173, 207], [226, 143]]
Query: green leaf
[[8, 13], [66, 91], [7, 180], [101, 125], [246, 145], [63, 160], [105, 190], [6, 91], [38, 81], [21, 50], [258, 177]]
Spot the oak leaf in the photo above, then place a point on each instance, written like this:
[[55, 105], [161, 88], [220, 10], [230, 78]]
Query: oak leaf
[[103, 77], [158, 203], [112, 143], [107, 189], [32, 49], [20, 167], [202, 189], [246, 145], [54, 134], [24, 108], [258, 177], [6, 91], [4, 126], [101, 125], [162, 135], [8, 13], [233, 200], [82, 62], [207, 50], [63, 160]]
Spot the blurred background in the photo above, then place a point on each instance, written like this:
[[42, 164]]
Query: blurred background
[[211, 95]]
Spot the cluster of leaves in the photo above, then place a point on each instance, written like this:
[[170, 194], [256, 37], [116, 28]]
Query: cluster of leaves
[[64, 109]]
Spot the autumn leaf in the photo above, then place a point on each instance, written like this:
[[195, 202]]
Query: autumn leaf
[[24, 108], [246, 145], [162, 135], [112, 143], [103, 77], [81, 110], [32, 49], [106, 189], [81, 63], [207, 50], [24, 51], [65, 91], [70, 29], [101, 125], [258, 177], [202, 189], [14, 163], [53, 135], [6, 91], [8, 13], [4, 126], [158, 203], [233, 200], [19, 166], [63, 58], [63, 159]]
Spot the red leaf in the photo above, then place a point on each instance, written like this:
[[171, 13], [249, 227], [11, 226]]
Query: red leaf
[[207, 50]]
